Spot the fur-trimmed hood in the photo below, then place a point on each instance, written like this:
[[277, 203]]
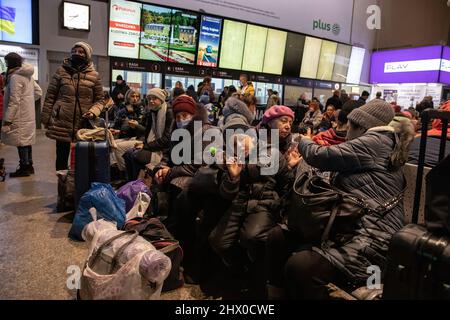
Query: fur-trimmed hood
[[404, 135]]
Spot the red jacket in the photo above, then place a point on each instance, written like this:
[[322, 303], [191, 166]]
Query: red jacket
[[329, 138]]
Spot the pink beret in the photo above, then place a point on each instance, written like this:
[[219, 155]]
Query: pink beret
[[277, 112]]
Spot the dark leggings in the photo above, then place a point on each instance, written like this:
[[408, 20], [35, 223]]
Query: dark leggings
[[303, 274], [62, 155], [25, 155]]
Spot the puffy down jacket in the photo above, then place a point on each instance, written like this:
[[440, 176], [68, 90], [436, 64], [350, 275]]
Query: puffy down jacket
[[363, 167], [61, 114]]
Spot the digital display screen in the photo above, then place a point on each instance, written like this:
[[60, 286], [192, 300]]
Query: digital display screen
[[356, 63], [76, 16], [124, 29], [232, 47], [444, 76], [255, 47], [155, 33], [326, 61], [311, 56], [293, 55], [341, 63], [16, 21], [208, 48], [275, 47], [412, 65], [183, 37]]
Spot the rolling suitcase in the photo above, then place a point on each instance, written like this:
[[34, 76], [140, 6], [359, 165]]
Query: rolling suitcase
[[418, 260], [92, 164]]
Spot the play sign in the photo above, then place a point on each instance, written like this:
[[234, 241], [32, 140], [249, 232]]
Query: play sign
[[414, 65]]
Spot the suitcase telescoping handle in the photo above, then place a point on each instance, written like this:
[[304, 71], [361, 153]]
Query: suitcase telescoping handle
[[427, 116]]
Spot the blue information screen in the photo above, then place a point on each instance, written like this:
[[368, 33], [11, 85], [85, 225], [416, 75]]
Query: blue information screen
[[16, 21]]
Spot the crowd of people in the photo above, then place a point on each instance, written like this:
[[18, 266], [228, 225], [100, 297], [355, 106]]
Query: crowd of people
[[230, 217]]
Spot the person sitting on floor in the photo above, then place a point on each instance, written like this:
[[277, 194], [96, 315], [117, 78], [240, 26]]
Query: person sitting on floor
[[128, 128], [157, 120], [368, 166], [337, 135]]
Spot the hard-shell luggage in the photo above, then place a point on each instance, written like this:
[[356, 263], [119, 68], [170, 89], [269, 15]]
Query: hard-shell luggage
[[418, 265], [92, 164], [418, 261]]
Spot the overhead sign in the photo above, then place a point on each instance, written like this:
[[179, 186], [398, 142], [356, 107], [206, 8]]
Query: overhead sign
[[444, 76], [412, 65], [304, 16]]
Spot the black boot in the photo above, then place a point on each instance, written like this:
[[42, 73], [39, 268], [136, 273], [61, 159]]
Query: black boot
[[30, 169], [22, 171]]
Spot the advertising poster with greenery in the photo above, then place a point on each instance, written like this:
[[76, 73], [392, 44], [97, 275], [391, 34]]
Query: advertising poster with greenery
[[155, 33], [183, 37]]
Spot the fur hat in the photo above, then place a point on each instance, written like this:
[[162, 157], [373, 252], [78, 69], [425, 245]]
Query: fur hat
[[236, 106]]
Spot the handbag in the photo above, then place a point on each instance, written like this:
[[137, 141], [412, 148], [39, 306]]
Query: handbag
[[320, 211], [205, 181]]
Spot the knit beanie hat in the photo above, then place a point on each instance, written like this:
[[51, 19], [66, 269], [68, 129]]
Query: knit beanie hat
[[119, 77], [86, 47], [373, 114], [184, 103], [277, 112], [13, 60], [236, 106], [159, 93]]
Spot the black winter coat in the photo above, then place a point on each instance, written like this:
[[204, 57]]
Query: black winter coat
[[123, 88], [264, 192], [363, 167], [186, 169], [335, 101]]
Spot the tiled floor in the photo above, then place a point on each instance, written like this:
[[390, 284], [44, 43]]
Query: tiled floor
[[35, 251]]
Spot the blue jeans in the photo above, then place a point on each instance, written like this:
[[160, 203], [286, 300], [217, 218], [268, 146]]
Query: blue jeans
[[25, 155]]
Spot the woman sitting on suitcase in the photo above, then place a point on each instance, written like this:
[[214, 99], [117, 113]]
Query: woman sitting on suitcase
[[368, 166], [157, 120]]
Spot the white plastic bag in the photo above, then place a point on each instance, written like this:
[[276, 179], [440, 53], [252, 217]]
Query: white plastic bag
[[140, 206], [121, 265]]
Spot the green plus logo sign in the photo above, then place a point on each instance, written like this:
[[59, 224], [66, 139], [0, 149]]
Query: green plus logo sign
[[336, 29], [322, 25]]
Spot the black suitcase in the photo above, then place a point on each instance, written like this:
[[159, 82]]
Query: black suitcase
[[418, 261], [92, 164], [418, 265]]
